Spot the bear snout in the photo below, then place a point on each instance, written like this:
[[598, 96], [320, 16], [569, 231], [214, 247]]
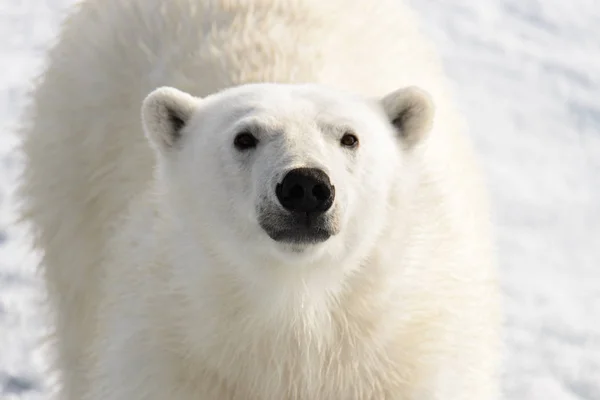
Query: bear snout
[[304, 214], [306, 190]]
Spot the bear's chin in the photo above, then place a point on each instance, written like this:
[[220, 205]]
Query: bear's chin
[[289, 253], [299, 245], [293, 245], [298, 231], [300, 237]]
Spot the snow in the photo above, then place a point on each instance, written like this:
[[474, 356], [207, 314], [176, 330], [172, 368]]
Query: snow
[[527, 74]]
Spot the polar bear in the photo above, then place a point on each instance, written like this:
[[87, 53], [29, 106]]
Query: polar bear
[[258, 199]]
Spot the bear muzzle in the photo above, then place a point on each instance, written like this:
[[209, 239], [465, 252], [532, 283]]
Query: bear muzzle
[[305, 196], [306, 191]]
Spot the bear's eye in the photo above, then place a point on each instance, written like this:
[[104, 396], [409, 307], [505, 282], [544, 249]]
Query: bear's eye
[[245, 141], [349, 140]]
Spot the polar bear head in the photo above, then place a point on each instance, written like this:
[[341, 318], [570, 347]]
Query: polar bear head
[[280, 174]]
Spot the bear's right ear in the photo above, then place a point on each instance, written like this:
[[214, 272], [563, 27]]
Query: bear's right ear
[[165, 113]]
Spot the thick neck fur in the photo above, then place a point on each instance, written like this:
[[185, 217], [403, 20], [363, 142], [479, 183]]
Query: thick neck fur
[[308, 334]]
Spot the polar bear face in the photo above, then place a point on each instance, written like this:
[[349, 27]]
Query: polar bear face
[[271, 174]]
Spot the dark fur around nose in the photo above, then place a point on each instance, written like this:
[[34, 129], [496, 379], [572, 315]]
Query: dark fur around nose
[[306, 190]]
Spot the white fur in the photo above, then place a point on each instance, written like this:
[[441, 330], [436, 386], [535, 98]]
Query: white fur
[[163, 283]]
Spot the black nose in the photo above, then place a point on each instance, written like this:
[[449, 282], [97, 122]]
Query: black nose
[[306, 190]]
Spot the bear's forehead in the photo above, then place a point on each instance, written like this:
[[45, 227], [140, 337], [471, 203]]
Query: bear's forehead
[[293, 102]]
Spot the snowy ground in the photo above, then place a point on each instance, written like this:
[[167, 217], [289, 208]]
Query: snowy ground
[[527, 74]]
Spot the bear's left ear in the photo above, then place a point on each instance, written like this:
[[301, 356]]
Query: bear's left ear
[[411, 111], [165, 113]]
